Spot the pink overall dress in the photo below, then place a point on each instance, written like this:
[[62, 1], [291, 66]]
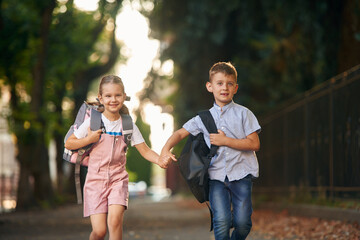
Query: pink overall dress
[[107, 180]]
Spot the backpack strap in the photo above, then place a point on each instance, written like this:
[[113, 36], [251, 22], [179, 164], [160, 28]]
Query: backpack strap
[[210, 125], [95, 120], [95, 124], [127, 126]]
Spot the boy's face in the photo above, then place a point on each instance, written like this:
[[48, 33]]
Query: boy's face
[[223, 87]]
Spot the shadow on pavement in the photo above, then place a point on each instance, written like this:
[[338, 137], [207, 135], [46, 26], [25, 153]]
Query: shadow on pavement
[[174, 218]]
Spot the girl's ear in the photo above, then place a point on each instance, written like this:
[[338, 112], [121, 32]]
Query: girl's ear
[[99, 99], [209, 86]]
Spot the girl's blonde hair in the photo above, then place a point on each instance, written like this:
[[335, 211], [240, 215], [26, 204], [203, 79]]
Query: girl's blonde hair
[[115, 80]]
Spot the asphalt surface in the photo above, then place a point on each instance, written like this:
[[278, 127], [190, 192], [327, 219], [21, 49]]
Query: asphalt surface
[[172, 219]]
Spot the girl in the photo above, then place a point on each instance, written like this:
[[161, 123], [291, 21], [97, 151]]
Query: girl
[[106, 185]]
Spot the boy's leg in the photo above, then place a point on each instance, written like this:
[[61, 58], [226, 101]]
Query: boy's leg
[[220, 203], [242, 207], [98, 224], [115, 221]]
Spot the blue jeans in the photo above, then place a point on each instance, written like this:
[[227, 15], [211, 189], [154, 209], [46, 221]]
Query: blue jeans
[[232, 207]]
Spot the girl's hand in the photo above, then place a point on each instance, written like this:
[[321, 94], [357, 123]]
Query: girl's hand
[[93, 136], [218, 139], [165, 159]]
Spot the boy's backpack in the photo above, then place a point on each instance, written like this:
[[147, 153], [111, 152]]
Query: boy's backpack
[[80, 157], [195, 159]]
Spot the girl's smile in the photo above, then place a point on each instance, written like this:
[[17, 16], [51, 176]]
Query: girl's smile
[[112, 98]]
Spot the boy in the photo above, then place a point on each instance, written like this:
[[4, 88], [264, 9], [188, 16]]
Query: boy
[[235, 164]]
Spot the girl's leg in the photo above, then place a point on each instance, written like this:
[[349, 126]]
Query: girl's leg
[[98, 224], [115, 221], [220, 203], [242, 207]]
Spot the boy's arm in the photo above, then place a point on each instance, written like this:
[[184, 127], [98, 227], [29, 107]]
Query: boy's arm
[[73, 143], [250, 143], [174, 139]]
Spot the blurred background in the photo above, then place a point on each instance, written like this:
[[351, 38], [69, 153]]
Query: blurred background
[[298, 71]]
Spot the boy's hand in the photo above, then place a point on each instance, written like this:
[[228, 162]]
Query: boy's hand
[[93, 136], [218, 139], [165, 159]]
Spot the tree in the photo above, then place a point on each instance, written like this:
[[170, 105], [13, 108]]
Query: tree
[[280, 48], [48, 49]]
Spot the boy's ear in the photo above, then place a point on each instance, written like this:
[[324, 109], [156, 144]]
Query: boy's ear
[[209, 86]]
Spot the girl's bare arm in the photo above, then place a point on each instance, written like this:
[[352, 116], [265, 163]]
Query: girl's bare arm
[[149, 154], [73, 142]]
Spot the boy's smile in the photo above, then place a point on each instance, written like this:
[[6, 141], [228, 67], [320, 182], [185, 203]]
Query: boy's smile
[[223, 87]]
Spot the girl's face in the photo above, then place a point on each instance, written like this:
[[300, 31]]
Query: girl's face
[[112, 98], [223, 87]]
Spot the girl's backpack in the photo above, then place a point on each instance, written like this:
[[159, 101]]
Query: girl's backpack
[[80, 157]]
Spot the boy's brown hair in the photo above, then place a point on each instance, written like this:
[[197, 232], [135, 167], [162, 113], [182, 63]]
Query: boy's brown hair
[[224, 67]]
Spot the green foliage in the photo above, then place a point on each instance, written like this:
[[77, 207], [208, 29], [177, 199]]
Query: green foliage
[[48, 49], [280, 48], [139, 168]]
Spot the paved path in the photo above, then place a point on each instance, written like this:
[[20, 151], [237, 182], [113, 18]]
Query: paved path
[[145, 220]]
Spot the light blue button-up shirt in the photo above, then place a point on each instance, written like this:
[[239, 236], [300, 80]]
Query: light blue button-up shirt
[[235, 121]]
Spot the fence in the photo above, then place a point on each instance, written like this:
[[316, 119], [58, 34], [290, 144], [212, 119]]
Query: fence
[[313, 143]]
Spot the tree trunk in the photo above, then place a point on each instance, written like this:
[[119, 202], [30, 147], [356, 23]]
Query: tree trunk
[[34, 159], [25, 193]]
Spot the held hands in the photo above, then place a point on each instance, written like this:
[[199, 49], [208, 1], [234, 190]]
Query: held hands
[[218, 139], [165, 159]]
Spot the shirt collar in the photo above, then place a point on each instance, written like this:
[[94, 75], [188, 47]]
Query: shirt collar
[[224, 108]]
